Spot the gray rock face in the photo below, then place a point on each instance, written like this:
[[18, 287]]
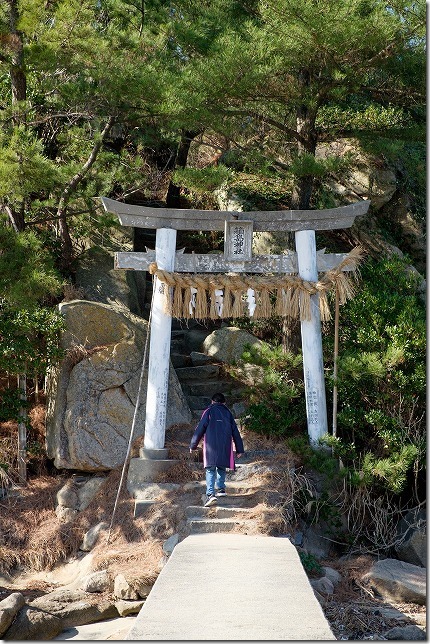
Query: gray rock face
[[8, 609], [34, 624], [228, 344], [97, 582], [73, 609], [91, 536], [406, 633], [398, 580], [91, 397], [413, 549], [123, 590], [95, 273]]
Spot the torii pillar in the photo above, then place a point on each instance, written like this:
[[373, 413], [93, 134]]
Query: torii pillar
[[313, 364], [306, 261], [159, 346]]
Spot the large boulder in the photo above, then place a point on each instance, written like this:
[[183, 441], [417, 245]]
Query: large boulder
[[413, 547], [34, 624], [93, 392], [9, 607], [101, 282], [398, 581], [228, 344]]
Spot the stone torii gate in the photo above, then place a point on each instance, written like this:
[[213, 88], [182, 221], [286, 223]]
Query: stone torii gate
[[237, 258]]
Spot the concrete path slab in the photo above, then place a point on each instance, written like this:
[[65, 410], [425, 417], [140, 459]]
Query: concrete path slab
[[232, 587]]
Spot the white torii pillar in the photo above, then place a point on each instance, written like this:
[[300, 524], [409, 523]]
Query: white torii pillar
[[159, 347], [313, 364]]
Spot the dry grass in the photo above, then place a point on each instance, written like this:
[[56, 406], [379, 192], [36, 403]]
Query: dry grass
[[73, 292], [30, 535], [78, 352]]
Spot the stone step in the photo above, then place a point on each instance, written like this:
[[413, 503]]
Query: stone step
[[202, 526], [199, 388], [198, 359], [217, 511], [180, 360], [143, 470], [199, 402], [198, 373]]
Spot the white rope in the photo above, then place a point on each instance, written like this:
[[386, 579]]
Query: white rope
[[133, 424]]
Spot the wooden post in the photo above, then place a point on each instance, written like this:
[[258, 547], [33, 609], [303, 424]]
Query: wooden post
[[22, 430], [313, 365], [335, 357], [159, 348]]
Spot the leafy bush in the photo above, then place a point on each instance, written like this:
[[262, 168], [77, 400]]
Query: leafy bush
[[382, 380], [276, 399], [202, 180]]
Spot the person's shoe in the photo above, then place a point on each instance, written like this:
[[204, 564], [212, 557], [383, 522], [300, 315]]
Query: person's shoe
[[210, 500], [221, 492]]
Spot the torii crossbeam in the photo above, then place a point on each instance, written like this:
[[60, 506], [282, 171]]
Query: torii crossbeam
[[237, 258]]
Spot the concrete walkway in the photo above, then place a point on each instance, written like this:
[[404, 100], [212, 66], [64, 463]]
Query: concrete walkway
[[232, 587]]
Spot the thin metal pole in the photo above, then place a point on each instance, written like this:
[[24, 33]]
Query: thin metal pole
[[133, 424]]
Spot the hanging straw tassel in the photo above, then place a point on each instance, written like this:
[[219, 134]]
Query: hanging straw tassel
[[201, 304], [295, 302], [186, 313], [178, 297], [238, 310], [305, 302], [257, 312], [280, 302], [324, 307], [213, 310], [266, 305], [345, 287], [227, 306]]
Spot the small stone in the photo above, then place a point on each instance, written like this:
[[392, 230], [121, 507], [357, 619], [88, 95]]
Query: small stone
[[408, 633], [122, 589], [332, 574], [143, 588], [169, 545], [126, 608], [97, 582], [88, 491], [323, 586], [65, 514], [90, 537], [68, 497]]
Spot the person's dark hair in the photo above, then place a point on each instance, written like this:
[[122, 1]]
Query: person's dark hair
[[219, 398]]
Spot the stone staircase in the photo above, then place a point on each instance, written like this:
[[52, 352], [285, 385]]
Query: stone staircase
[[233, 513], [200, 376]]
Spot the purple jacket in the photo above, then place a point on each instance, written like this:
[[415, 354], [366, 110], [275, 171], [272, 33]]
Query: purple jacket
[[218, 429]]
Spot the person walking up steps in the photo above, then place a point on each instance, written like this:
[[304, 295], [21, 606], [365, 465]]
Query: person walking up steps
[[219, 431]]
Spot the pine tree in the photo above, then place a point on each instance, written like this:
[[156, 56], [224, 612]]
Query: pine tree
[[273, 73]]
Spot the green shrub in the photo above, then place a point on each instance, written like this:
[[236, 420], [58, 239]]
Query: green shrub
[[276, 400]]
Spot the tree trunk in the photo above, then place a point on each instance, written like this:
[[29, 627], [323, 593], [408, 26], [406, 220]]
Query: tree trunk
[[66, 241], [17, 74], [16, 218], [305, 120], [22, 429], [173, 191]]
